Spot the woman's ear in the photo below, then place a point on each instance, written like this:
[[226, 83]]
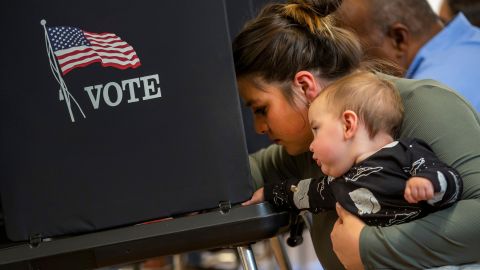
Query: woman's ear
[[307, 82], [350, 124]]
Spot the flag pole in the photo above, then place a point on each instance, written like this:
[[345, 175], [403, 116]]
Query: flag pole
[[63, 92]]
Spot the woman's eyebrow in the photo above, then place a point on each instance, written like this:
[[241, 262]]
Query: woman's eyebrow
[[250, 103]]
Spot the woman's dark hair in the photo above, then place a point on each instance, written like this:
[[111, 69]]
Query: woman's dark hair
[[298, 35]]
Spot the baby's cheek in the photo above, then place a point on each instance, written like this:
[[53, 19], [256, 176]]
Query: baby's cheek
[[329, 154]]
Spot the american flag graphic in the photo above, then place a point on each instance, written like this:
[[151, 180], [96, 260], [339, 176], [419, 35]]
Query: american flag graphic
[[76, 48]]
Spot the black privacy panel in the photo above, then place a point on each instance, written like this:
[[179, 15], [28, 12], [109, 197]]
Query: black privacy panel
[[115, 113]]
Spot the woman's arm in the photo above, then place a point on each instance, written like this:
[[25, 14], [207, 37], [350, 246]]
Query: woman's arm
[[450, 236], [447, 237], [275, 164]]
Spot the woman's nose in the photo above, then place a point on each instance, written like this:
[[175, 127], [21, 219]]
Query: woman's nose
[[261, 126]]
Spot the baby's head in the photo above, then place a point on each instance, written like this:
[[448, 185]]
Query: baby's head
[[376, 102], [360, 101]]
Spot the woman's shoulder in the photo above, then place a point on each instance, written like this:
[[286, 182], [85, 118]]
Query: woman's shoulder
[[429, 93], [407, 86]]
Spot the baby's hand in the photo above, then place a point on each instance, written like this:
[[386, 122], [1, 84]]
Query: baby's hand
[[256, 198], [418, 189]]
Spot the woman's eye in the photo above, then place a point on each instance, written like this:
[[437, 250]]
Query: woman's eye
[[260, 111]]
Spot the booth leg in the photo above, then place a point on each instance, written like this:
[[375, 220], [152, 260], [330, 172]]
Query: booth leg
[[178, 262], [280, 253], [246, 257]]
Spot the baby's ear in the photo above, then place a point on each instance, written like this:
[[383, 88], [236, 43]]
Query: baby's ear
[[350, 123]]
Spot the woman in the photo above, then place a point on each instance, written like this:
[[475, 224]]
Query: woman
[[283, 58]]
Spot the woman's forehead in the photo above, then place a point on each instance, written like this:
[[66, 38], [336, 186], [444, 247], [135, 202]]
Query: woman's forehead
[[254, 82], [255, 88], [251, 95]]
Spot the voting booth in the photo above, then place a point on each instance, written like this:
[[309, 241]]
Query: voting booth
[[116, 113]]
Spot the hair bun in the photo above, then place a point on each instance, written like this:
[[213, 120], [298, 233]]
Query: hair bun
[[321, 8]]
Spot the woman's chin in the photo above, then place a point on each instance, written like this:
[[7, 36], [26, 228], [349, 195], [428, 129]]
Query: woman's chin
[[294, 151]]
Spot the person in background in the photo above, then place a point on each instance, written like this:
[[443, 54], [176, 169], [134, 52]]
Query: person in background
[[410, 34], [384, 182], [283, 59], [470, 8]]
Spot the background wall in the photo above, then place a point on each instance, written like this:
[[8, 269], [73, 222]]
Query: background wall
[[435, 4]]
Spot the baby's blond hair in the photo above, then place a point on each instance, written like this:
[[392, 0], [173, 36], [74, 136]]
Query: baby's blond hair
[[376, 101]]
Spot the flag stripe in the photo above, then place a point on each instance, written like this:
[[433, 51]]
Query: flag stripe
[[80, 57], [75, 48], [77, 54], [112, 62], [112, 48], [67, 52], [72, 51], [108, 45], [86, 33], [104, 40], [105, 63]]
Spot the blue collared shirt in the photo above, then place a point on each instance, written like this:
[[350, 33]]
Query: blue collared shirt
[[453, 58]]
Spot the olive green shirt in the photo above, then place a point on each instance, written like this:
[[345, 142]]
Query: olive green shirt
[[451, 236]]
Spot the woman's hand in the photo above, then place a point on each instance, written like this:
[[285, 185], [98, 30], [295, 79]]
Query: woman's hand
[[257, 197], [346, 239]]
